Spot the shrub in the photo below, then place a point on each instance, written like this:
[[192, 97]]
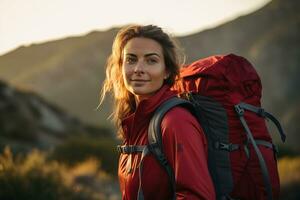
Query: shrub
[[289, 172], [31, 177], [77, 149]]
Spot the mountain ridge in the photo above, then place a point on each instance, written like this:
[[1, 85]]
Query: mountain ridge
[[69, 72]]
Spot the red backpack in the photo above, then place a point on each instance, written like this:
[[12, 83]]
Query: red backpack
[[224, 93]]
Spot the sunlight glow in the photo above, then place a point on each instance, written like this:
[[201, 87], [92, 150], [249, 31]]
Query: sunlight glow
[[25, 22]]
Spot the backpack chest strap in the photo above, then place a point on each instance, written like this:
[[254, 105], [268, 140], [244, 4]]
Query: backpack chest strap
[[132, 149]]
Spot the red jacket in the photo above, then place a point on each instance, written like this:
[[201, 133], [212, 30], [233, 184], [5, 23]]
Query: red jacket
[[184, 146]]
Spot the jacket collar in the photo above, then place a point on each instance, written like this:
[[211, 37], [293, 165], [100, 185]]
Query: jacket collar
[[143, 113]]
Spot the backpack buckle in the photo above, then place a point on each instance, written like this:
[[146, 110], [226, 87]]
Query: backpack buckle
[[227, 147], [239, 110], [128, 149], [119, 149]]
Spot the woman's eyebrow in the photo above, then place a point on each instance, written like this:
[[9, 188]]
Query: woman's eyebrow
[[146, 55], [130, 54], [152, 54]]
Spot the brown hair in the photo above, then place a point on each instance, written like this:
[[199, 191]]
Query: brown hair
[[124, 101]]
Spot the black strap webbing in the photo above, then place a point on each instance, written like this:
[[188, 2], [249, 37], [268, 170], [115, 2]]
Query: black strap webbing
[[132, 149]]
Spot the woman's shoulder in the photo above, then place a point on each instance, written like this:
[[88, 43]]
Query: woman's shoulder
[[179, 124], [179, 117]]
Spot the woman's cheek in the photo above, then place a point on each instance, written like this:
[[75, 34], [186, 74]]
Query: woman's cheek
[[126, 74]]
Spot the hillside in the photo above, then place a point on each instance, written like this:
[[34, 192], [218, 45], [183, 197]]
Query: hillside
[[69, 72], [28, 121], [40, 141]]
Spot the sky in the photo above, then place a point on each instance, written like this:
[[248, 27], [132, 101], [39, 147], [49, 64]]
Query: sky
[[23, 22]]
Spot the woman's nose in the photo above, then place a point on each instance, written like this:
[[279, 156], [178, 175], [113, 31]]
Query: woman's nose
[[139, 67]]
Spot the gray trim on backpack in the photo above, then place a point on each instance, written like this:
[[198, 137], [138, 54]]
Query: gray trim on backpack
[[240, 110], [262, 113]]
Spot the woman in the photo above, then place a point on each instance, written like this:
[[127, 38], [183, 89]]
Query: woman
[[140, 71]]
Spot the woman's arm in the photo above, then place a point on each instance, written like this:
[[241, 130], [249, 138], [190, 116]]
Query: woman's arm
[[186, 150]]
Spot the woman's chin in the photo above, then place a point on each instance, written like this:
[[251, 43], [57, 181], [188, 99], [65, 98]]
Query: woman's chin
[[143, 93]]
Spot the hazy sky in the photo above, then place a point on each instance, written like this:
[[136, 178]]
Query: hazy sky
[[33, 21]]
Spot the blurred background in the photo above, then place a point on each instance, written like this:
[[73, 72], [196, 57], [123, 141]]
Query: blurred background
[[54, 144]]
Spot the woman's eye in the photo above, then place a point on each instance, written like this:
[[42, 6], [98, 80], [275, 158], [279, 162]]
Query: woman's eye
[[152, 61], [130, 60]]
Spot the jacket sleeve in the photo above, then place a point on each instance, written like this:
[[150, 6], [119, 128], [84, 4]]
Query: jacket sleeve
[[186, 150]]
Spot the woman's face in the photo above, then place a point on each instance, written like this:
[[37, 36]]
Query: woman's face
[[143, 67]]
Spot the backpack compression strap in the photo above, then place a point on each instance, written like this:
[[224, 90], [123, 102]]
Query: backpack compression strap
[[261, 112], [240, 109], [155, 135]]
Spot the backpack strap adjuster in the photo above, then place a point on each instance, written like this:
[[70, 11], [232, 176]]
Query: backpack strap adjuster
[[261, 112]]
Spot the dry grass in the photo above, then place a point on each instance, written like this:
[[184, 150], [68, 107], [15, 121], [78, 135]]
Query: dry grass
[[34, 177], [289, 172]]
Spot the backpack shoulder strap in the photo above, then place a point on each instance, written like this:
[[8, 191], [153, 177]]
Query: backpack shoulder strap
[[155, 135], [154, 129]]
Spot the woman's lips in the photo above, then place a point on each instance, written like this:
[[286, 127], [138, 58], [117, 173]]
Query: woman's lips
[[139, 80]]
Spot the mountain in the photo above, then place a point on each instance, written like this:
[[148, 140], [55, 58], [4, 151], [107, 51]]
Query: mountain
[[28, 121], [69, 72]]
